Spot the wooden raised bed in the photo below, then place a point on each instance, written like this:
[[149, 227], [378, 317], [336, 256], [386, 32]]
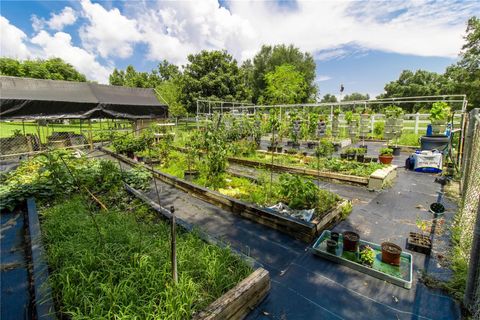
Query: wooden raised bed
[[241, 299], [301, 230], [309, 172]]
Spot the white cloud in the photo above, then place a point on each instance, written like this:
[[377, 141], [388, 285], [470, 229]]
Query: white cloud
[[12, 40], [174, 29], [108, 32], [60, 45], [56, 22], [322, 77]]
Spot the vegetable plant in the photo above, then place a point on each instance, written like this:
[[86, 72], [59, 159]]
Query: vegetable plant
[[367, 255], [386, 152], [325, 148], [440, 111]]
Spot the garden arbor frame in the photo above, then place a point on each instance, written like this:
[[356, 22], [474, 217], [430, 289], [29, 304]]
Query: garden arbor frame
[[459, 103]]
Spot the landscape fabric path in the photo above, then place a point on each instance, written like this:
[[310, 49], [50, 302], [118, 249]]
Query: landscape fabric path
[[305, 286]]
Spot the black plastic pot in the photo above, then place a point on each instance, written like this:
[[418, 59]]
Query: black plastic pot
[[189, 175], [331, 246], [364, 147], [396, 150], [295, 144], [437, 208], [311, 145], [343, 155], [350, 241], [350, 156], [289, 143], [279, 149], [334, 236], [337, 147], [360, 157]]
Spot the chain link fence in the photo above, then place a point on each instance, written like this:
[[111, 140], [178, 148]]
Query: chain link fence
[[468, 215]]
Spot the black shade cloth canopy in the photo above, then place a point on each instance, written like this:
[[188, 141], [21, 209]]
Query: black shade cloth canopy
[[26, 98]]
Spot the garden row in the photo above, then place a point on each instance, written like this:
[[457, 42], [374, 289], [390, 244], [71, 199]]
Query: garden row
[[109, 252]]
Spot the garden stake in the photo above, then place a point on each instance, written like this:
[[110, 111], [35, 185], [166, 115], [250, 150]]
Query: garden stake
[[174, 248], [153, 175]]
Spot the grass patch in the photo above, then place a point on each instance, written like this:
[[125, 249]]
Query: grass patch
[[127, 274]]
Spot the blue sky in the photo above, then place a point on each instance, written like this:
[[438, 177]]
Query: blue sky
[[362, 44]]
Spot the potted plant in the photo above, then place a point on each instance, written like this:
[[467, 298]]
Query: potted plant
[[391, 253], [331, 246], [367, 255], [351, 152], [439, 114], [393, 126], [335, 123], [360, 153], [386, 155], [350, 241], [324, 149], [334, 236]]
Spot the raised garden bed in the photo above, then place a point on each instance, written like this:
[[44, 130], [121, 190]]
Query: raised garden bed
[[302, 230], [400, 276]]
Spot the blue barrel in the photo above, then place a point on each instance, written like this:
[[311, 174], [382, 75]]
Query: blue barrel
[[429, 130]]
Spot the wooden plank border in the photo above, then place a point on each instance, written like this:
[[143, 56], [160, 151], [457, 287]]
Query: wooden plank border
[[301, 230], [43, 301], [240, 300]]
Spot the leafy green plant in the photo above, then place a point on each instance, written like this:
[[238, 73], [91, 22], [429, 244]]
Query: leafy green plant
[[346, 210], [138, 177], [393, 112], [325, 148], [349, 117], [367, 255], [440, 111], [297, 192], [386, 152], [127, 275], [378, 129]]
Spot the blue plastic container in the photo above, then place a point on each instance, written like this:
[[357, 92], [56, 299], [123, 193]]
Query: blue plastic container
[[429, 130]]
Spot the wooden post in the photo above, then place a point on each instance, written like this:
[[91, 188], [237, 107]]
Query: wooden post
[[372, 124], [416, 122], [90, 134], [174, 247]]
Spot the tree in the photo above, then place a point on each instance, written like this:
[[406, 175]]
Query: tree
[[418, 83], [211, 75], [464, 76], [329, 98], [167, 71], [356, 96], [54, 68], [170, 92], [285, 85], [117, 78], [270, 57]]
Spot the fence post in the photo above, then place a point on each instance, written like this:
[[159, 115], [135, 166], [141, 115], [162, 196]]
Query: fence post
[[372, 124], [417, 115]]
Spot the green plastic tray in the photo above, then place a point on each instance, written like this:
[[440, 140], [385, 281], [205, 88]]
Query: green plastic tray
[[400, 276]]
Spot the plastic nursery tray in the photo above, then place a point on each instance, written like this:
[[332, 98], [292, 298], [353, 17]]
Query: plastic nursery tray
[[419, 243], [400, 276]]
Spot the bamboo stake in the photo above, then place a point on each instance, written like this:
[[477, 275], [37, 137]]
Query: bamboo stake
[[173, 247]]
